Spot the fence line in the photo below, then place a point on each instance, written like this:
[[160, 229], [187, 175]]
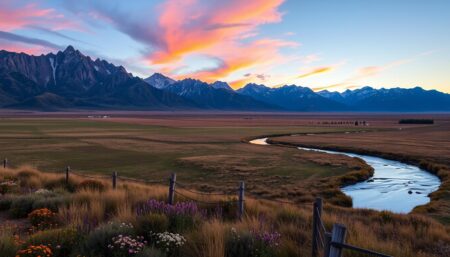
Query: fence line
[[332, 244], [186, 188]]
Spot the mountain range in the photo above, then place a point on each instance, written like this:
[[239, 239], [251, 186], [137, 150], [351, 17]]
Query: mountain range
[[71, 80]]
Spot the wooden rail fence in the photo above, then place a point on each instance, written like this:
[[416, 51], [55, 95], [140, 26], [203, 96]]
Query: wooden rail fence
[[329, 243], [332, 244]]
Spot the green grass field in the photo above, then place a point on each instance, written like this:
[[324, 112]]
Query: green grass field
[[212, 158]]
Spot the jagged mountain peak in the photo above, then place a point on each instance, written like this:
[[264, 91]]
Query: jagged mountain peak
[[69, 49], [296, 88], [252, 88], [159, 80], [70, 79], [221, 85]]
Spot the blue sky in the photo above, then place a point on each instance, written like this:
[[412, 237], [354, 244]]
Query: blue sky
[[325, 44]]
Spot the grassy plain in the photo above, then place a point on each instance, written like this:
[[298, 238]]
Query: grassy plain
[[206, 149], [207, 153]]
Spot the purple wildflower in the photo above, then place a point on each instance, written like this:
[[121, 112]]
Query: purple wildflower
[[180, 208]]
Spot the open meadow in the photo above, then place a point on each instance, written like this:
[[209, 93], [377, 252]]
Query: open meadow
[[209, 153]]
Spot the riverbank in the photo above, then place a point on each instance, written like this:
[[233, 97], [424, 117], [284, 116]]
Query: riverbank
[[383, 144], [391, 186]]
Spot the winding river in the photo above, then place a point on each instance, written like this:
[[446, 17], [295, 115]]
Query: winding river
[[395, 186]]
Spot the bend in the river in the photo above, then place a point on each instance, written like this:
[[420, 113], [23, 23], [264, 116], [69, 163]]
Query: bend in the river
[[395, 186]]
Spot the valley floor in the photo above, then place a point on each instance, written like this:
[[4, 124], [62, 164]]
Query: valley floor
[[208, 152]]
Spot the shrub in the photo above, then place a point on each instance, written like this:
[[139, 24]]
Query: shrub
[[8, 186], [25, 174], [62, 240], [239, 244], [151, 223], [123, 245], [96, 243], [181, 223], [252, 244], [91, 184], [52, 203], [35, 251], [61, 183], [22, 205], [182, 216], [9, 244], [43, 219], [224, 210], [386, 216], [150, 252], [5, 202], [44, 192]]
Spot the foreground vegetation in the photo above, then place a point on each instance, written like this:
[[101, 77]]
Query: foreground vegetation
[[43, 216]]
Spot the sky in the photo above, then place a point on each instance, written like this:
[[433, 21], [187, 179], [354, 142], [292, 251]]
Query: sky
[[326, 44]]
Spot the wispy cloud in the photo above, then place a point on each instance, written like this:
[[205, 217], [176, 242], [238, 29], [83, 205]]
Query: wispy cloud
[[15, 15], [55, 33], [315, 71], [28, 40], [371, 71]]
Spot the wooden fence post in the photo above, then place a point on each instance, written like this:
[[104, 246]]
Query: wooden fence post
[[114, 179], [337, 236], [173, 180], [67, 174], [241, 199], [5, 163], [317, 215], [327, 244]]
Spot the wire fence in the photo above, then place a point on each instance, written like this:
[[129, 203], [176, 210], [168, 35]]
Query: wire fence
[[329, 243]]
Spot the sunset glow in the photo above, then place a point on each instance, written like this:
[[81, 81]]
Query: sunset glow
[[271, 42]]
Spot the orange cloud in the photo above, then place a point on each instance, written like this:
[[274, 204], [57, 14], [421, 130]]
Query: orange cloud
[[239, 57], [236, 84], [188, 26], [370, 71], [315, 72]]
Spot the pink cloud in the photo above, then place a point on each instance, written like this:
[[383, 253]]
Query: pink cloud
[[188, 26], [13, 16], [22, 48]]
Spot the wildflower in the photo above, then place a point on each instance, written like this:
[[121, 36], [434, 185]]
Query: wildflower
[[169, 241], [181, 208], [43, 219], [35, 251], [127, 244]]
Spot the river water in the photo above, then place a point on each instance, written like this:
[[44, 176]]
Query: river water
[[395, 186]]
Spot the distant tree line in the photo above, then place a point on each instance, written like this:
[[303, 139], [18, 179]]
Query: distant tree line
[[355, 123], [416, 121]]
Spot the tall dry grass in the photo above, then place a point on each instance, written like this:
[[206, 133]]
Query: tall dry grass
[[395, 234]]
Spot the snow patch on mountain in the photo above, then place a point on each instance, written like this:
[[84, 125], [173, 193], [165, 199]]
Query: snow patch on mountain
[[54, 64]]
